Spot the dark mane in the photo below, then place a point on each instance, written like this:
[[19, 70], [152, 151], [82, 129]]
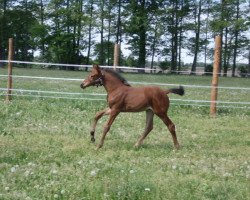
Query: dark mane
[[117, 75]]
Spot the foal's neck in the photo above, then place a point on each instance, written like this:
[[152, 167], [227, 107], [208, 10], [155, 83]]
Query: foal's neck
[[111, 83]]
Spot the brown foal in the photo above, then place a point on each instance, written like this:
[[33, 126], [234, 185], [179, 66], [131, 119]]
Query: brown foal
[[124, 98]]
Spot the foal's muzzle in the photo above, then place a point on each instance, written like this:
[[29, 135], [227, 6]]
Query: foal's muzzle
[[82, 86]]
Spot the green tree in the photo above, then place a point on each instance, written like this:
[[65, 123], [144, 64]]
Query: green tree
[[231, 26], [19, 24], [138, 26], [197, 14], [240, 26], [176, 12], [107, 54], [64, 40], [89, 22], [3, 8], [65, 30]]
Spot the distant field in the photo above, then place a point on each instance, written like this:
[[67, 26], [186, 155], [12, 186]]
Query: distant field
[[46, 151]]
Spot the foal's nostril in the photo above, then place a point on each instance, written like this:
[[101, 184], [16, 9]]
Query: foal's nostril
[[81, 85]]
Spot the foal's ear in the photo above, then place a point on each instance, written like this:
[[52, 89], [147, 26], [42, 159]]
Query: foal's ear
[[95, 66]]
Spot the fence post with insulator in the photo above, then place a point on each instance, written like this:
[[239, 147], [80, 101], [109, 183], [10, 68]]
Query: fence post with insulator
[[9, 81], [216, 66], [116, 55]]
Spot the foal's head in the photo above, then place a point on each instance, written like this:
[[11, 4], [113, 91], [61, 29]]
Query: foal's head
[[94, 78]]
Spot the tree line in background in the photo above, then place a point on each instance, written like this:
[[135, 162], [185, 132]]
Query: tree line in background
[[84, 31]]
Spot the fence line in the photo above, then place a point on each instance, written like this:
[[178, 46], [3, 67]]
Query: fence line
[[54, 97], [50, 64], [203, 105], [98, 94], [192, 102], [90, 66], [190, 86], [54, 92], [92, 99], [41, 77], [132, 82]]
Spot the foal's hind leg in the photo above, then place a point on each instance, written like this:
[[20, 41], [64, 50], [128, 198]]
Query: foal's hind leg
[[97, 117], [171, 128], [148, 127]]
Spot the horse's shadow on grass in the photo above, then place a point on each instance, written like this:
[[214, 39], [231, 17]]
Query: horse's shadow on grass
[[124, 145], [127, 145]]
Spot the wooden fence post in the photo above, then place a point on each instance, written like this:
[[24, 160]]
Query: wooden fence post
[[116, 55], [216, 66], [9, 81]]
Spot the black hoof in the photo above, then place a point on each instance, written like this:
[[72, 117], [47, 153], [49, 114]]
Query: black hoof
[[93, 140]]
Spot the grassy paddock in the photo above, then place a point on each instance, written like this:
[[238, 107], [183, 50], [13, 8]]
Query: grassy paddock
[[46, 151]]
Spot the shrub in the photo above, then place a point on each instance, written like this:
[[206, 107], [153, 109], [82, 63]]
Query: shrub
[[208, 70], [164, 65], [242, 71]]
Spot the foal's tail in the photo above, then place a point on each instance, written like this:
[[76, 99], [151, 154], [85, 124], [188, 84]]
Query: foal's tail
[[179, 91]]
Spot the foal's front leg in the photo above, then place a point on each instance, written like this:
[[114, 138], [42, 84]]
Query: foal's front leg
[[97, 117], [113, 114]]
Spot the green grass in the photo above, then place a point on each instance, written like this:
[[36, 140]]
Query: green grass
[[46, 153]]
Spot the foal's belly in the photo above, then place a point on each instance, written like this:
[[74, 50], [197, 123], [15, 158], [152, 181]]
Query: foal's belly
[[136, 102], [136, 109]]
